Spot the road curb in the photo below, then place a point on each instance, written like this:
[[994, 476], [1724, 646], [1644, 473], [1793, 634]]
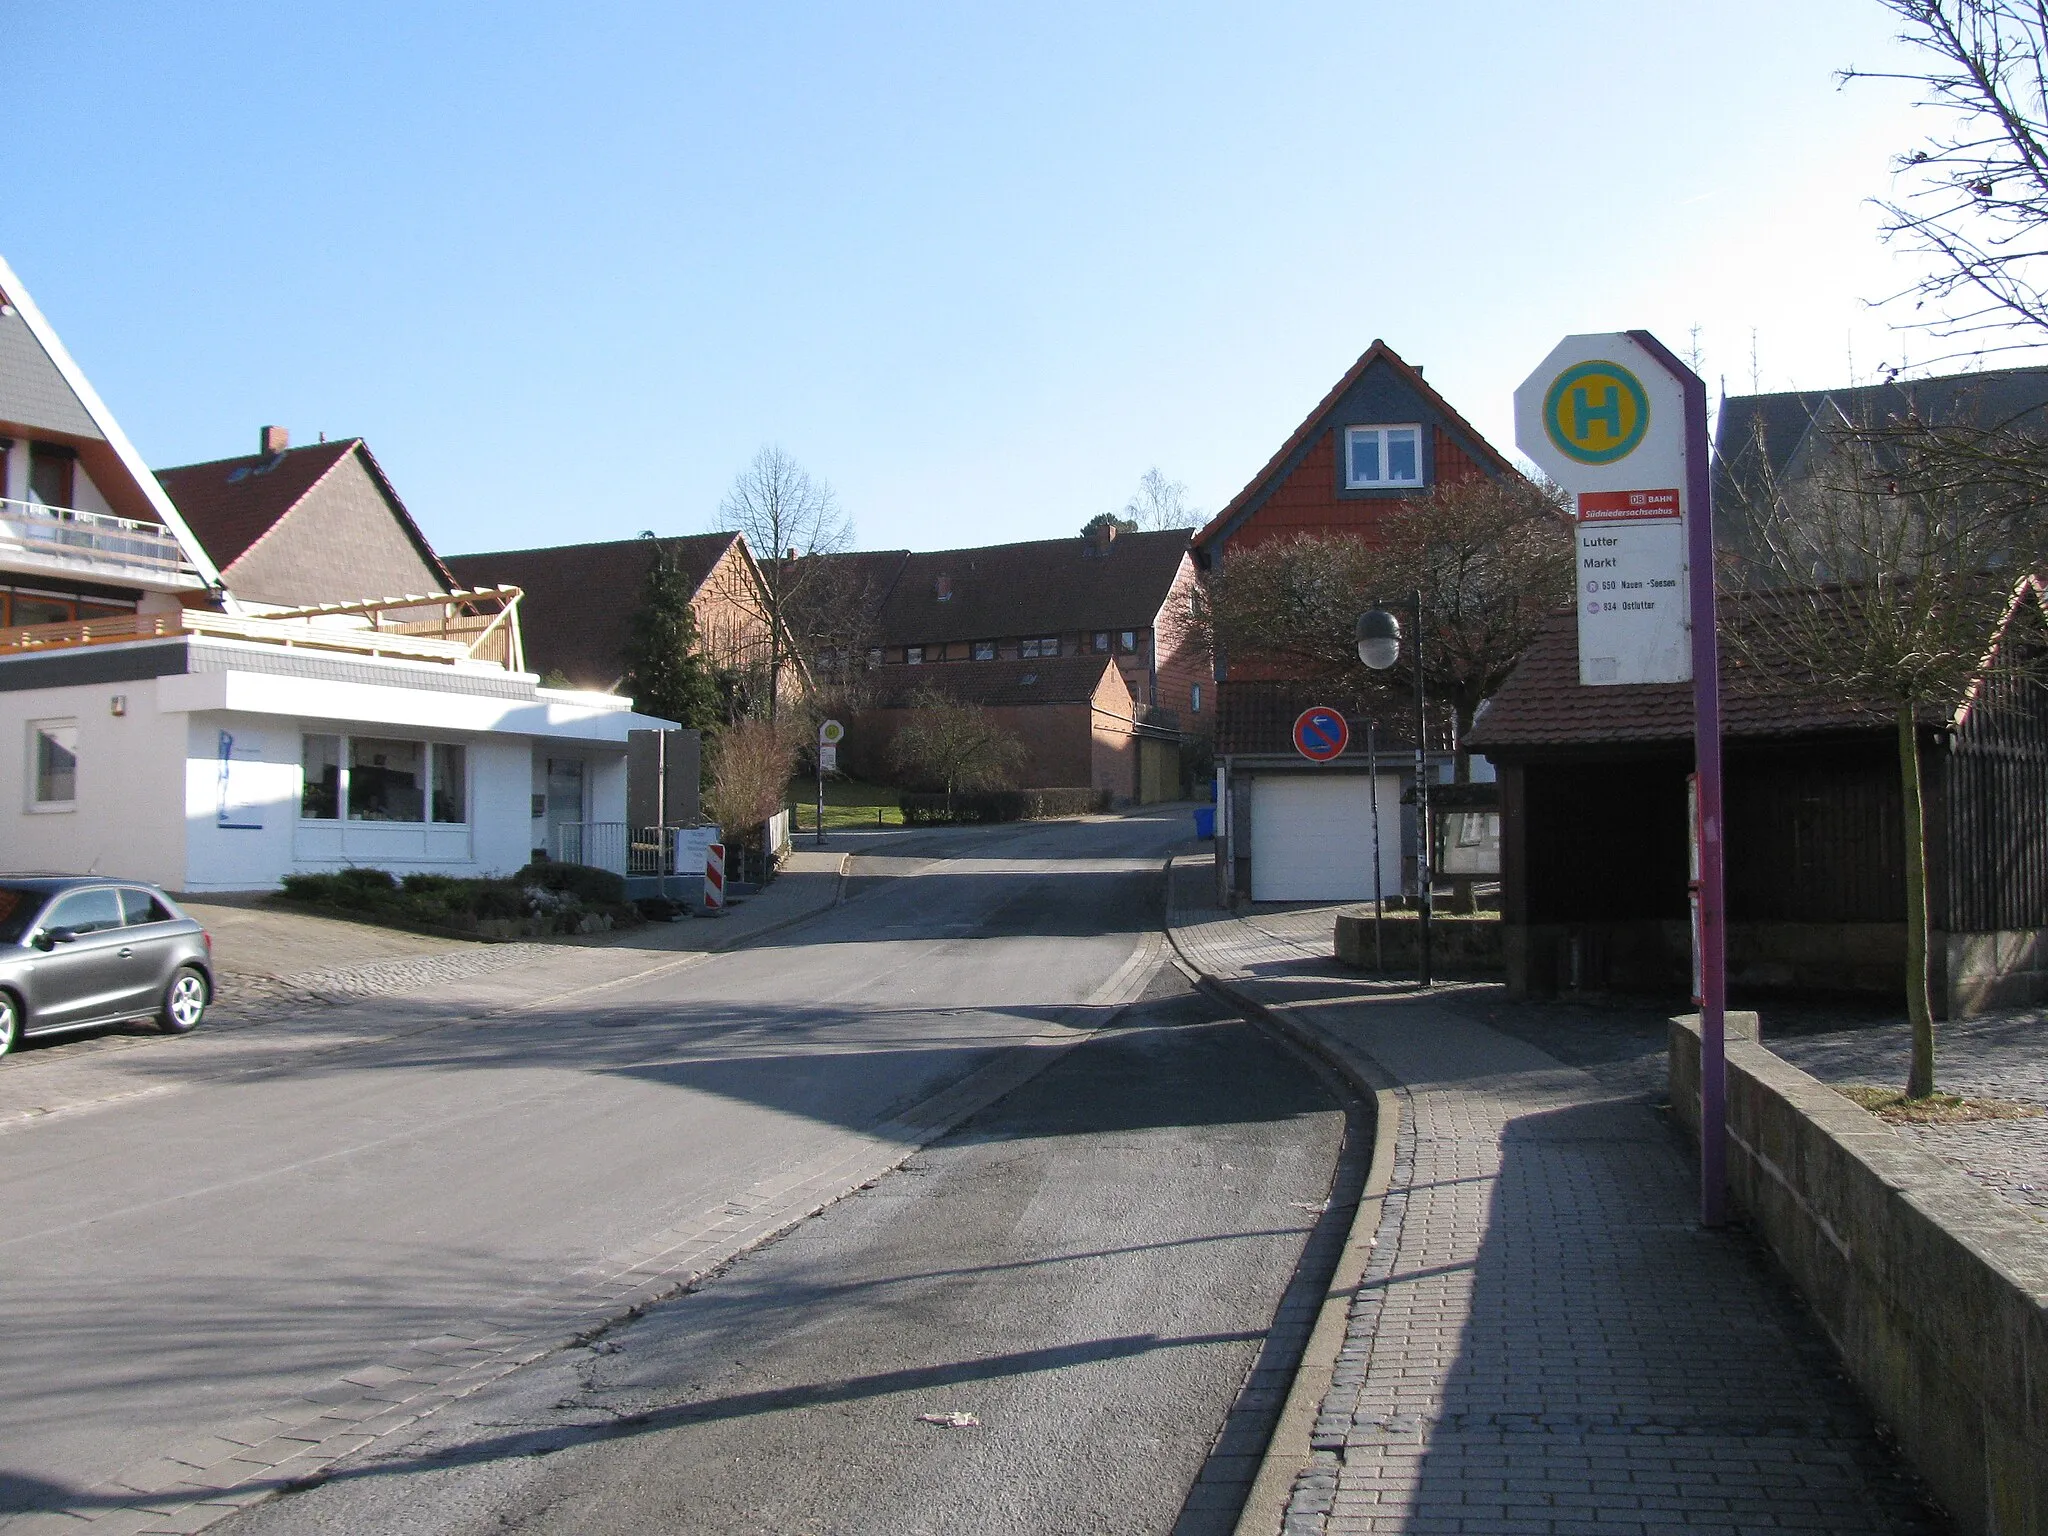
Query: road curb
[[1289, 1451]]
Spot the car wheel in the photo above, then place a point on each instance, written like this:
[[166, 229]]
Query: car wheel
[[184, 1001], [10, 1023]]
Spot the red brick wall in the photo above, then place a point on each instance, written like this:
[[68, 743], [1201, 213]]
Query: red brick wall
[[1183, 660], [1113, 740], [1307, 500]]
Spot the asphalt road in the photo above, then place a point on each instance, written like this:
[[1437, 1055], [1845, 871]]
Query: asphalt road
[[1087, 1268], [179, 1266]]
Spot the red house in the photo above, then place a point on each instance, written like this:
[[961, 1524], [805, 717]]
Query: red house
[[1288, 829]]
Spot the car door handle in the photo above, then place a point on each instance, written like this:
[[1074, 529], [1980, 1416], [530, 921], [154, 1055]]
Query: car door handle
[[126, 951]]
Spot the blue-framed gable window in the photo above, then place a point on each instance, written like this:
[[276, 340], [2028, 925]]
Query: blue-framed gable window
[[1383, 457]]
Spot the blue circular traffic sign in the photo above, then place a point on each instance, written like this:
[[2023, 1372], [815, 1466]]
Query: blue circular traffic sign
[[1320, 734]]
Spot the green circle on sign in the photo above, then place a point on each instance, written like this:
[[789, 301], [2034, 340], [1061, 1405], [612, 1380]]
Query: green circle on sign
[[1596, 412]]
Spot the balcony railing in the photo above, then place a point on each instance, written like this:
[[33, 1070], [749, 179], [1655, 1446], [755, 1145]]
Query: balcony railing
[[295, 634], [94, 538]]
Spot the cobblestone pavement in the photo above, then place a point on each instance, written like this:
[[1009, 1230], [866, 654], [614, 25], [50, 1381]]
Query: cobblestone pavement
[[2004, 1056], [1545, 1339]]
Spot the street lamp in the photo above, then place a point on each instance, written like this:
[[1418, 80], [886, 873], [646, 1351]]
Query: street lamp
[[1379, 647]]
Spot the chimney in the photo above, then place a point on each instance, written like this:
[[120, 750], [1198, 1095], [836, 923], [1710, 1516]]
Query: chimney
[[1104, 535], [274, 441], [792, 552]]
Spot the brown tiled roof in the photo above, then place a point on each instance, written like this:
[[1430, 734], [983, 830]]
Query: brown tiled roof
[[1543, 703], [580, 598], [1378, 352], [1058, 680], [1047, 587], [1256, 717], [231, 503]]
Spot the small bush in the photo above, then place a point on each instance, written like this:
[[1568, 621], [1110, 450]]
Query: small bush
[[598, 887]]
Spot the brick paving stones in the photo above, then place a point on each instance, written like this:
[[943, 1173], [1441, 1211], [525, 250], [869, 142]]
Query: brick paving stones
[[1545, 1339], [2003, 1056]]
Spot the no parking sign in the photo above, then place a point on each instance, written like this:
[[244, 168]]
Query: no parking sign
[[1320, 734]]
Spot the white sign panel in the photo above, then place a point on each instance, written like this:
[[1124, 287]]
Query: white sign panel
[[828, 758], [1607, 422]]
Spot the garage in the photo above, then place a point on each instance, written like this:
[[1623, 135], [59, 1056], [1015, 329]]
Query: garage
[[1311, 836]]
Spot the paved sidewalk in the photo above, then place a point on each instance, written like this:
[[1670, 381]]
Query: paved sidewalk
[[1544, 1339], [342, 1006]]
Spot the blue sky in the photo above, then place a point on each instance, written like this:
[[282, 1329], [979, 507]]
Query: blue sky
[[566, 268]]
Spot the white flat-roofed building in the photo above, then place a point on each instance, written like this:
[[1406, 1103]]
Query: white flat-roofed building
[[152, 726]]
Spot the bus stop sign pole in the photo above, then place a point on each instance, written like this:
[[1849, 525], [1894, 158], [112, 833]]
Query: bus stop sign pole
[[1621, 424], [1706, 705]]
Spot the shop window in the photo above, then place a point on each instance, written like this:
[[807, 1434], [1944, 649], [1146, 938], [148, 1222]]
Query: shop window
[[320, 787], [53, 746], [451, 783], [382, 779], [386, 779]]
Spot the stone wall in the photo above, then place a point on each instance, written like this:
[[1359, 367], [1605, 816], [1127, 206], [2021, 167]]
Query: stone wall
[[1458, 945], [1934, 1291]]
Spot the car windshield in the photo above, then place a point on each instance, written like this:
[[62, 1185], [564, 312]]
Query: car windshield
[[18, 909]]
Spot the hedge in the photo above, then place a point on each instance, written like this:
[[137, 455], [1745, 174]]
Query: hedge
[[992, 805], [540, 899]]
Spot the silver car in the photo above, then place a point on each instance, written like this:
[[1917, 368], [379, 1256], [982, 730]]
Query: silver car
[[78, 952]]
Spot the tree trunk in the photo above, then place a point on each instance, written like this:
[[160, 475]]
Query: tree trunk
[[1919, 1007]]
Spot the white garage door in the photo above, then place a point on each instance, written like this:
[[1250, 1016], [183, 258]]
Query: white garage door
[[1312, 837]]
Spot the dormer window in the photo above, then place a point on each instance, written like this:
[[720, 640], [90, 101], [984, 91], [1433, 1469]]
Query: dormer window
[[1382, 458]]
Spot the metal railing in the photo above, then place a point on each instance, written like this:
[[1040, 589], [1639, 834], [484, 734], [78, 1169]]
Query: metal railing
[[291, 633], [626, 850], [69, 534]]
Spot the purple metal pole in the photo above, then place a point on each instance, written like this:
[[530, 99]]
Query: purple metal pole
[[1706, 704]]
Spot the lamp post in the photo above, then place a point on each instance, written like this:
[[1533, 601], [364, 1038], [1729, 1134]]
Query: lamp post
[[1379, 647]]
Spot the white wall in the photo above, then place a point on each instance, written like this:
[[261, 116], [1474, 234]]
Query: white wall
[[266, 837], [127, 816]]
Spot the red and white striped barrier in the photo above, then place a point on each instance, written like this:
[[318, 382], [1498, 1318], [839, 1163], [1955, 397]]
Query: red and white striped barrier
[[714, 877]]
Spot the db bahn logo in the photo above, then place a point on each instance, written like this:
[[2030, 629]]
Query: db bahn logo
[[1596, 412]]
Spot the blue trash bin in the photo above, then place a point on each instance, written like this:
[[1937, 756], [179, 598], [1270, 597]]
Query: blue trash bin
[[1205, 821]]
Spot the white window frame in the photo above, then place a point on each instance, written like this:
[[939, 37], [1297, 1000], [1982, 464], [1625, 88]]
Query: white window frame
[[36, 804], [341, 817], [1380, 432]]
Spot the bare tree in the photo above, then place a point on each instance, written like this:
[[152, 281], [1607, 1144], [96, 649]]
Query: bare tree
[[788, 519], [1491, 559], [1160, 504], [959, 746], [1975, 198], [750, 765], [1878, 580]]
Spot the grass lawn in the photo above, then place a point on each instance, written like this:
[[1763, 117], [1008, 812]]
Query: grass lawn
[[848, 803]]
